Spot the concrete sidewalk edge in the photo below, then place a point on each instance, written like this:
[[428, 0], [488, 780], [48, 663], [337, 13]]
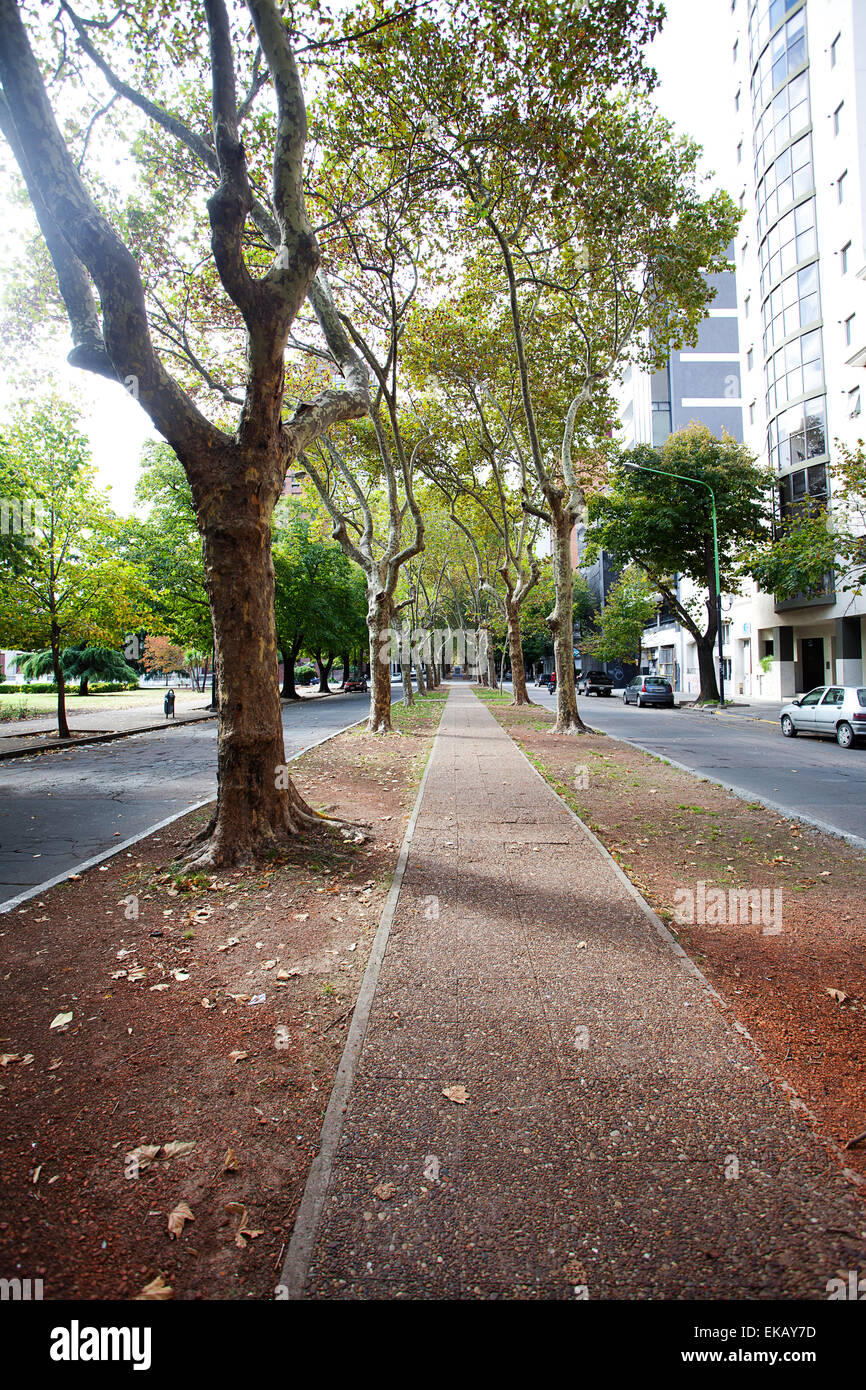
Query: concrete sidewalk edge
[[743, 793], [796, 1102], [293, 1276]]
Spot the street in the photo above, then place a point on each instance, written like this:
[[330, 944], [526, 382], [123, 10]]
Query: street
[[62, 808], [804, 776]]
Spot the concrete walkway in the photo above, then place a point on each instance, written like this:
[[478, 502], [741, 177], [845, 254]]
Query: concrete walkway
[[618, 1139]]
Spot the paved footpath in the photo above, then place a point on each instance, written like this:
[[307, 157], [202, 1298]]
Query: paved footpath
[[619, 1139]]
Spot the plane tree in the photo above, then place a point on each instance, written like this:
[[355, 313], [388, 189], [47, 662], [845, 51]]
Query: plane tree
[[571, 195], [261, 263]]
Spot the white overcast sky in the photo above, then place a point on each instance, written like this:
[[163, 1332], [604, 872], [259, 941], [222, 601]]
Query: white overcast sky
[[693, 59]]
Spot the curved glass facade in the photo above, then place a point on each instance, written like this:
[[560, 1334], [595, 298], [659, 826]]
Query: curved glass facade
[[788, 250]]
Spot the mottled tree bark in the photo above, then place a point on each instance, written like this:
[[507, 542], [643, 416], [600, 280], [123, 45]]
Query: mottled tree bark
[[236, 477], [515, 651], [561, 624], [379, 614]]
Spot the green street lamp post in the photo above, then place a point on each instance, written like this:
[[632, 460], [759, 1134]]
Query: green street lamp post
[[684, 478]]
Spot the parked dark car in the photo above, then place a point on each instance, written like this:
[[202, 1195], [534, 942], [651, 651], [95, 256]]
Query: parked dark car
[[356, 683], [649, 690], [594, 683]]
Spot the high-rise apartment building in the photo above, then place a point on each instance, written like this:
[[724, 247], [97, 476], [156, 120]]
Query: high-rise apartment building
[[799, 117]]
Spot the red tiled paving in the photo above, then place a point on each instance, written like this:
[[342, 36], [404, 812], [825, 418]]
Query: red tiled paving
[[619, 1139]]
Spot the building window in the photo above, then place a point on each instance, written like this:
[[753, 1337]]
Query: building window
[[845, 249], [837, 118], [737, 100], [736, 48], [840, 186], [798, 434], [796, 369], [740, 153], [746, 305], [750, 359], [854, 402], [849, 329], [751, 412], [834, 51]]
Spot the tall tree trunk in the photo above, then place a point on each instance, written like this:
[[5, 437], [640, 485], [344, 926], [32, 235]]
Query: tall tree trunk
[[62, 726], [419, 672], [561, 624], [290, 656], [83, 686], [379, 614], [258, 808], [406, 678], [707, 668], [214, 681], [492, 679], [347, 666], [515, 651], [324, 670]]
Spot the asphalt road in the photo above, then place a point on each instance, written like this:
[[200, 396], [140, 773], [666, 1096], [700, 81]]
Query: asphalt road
[[805, 776], [61, 808]]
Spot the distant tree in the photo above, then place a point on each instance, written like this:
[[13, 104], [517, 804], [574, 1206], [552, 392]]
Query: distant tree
[[71, 582], [162, 657], [167, 544], [664, 525], [319, 601], [82, 663], [620, 621]]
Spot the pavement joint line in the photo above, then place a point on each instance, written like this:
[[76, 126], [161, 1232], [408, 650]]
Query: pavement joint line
[[794, 1100], [48, 883], [296, 1266], [744, 794]]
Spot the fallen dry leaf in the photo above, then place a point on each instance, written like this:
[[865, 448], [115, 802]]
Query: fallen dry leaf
[[177, 1148], [237, 1056], [243, 1232], [385, 1190], [458, 1094], [156, 1290], [230, 1162], [7, 1058], [60, 1021], [178, 1219], [143, 1155], [838, 994]]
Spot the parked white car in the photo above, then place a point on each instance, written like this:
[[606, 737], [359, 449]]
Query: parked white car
[[838, 711]]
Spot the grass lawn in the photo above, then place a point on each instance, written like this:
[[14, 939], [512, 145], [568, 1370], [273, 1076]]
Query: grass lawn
[[32, 706]]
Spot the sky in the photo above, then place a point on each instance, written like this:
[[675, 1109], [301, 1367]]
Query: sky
[[693, 59]]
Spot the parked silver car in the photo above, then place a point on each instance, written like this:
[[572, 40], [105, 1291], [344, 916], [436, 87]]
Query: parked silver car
[[649, 690], [837, 711]]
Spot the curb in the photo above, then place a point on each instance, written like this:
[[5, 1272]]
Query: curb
[[56, 743], [848, 836], [293, 1276], [151, 830], [796, 1103]]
